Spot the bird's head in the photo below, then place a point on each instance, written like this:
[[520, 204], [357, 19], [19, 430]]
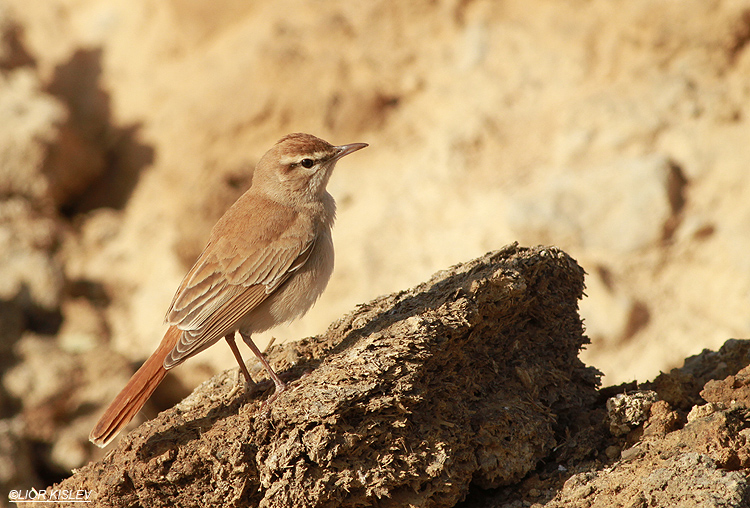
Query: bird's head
[[298, 167]]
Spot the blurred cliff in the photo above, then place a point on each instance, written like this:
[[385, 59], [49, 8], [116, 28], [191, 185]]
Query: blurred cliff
[[616, 130]]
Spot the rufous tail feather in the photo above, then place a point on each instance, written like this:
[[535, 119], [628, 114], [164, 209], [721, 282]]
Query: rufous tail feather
[[135, 394]]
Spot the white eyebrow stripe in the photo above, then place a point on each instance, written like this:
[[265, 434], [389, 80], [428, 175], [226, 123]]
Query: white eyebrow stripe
[[317, 156]]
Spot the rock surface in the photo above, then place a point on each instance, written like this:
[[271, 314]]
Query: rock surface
[[687, 453], [408, 400], [617, 131], [466, 389]]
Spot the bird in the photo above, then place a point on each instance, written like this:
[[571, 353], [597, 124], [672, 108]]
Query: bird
[[267, 260]]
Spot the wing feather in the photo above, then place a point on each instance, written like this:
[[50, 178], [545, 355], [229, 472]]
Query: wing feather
[[193, 342], [229, 280]]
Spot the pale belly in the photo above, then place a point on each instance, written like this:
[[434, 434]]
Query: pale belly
[[299, 292]]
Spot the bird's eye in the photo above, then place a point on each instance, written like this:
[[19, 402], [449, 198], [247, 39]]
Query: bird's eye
[[307, 163]]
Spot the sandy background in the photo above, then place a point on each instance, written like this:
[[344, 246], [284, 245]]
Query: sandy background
[[618, 131]]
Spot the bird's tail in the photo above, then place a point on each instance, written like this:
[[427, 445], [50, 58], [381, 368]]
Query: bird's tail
[[135, 394]]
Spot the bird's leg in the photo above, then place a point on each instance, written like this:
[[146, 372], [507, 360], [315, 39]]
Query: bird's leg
[[280, 385], [249, 384]]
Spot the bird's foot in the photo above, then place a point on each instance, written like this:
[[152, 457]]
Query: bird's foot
[[266, 405]]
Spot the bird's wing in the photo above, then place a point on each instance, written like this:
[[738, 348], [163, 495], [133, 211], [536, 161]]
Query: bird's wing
[[233, 275]]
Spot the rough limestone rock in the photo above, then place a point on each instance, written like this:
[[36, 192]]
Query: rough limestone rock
[[702, 465], [675, 458], [408, 400]]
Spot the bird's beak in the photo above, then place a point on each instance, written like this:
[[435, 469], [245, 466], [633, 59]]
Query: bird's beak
[[347, 149]]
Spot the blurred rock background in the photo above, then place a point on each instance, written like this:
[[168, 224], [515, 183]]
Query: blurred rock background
[[617, 130]]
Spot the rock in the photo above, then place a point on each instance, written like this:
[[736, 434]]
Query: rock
[[57, 389], [721, 435], [732, 391], [122, 157], [31, 279], [594, 208], [28, 271], [42, 375], [628, 410], [12, 52], [83, 327], [702, 411], [30, 125], [611, 316], [683, 388], [692, 467], [662, 420], [409, 399], [16, 458], [28, 229]]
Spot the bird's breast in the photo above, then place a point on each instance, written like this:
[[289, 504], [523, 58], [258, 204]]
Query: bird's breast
[[295, 297]]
